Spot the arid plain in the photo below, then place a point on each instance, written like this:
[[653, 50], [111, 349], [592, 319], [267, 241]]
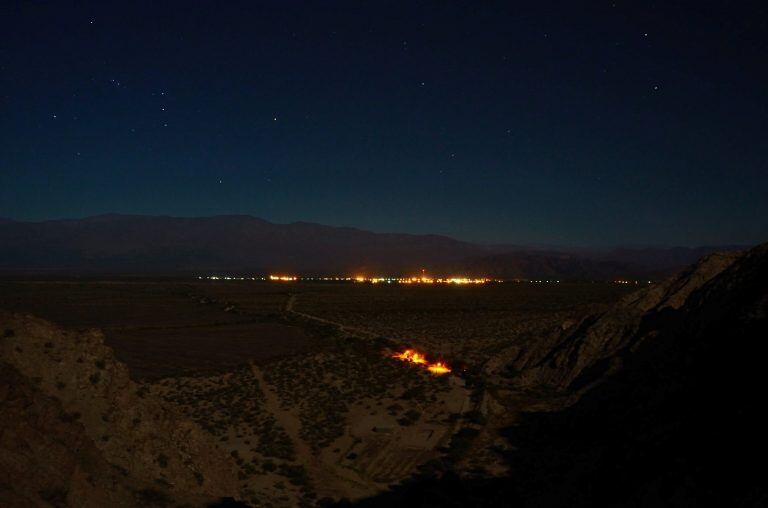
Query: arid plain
[[296, 380]]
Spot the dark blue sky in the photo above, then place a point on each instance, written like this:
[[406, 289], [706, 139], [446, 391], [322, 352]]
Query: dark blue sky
[[601, 123]]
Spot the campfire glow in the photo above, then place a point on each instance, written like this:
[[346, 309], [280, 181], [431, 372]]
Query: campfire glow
[[409, 355], [439, 368], [416, 358]]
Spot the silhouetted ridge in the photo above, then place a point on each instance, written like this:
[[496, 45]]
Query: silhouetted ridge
[[146, 245]]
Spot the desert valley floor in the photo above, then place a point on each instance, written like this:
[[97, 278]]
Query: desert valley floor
[[295, 381]]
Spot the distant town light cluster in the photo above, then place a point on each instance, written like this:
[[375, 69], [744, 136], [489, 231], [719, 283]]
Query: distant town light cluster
[[360, 279], [424, 280], [283, 278], [228, 277], [400, 280]]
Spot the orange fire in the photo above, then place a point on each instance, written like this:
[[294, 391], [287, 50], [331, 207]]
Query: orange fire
[[409, 355], [439, 368], [416, 358]]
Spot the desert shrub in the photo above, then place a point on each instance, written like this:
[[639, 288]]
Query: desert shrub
[[416, 392], [55, 496], [509, 371], [475, 416], [413, 415], [152, 497], [69, 417], [297, 475], [461, 443]]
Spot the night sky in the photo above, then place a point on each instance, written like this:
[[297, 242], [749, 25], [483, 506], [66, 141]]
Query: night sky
[[567, 123]]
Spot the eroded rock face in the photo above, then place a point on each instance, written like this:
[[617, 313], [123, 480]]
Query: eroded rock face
[[46, 458], [74, 377], [680, 424], [580, 354]]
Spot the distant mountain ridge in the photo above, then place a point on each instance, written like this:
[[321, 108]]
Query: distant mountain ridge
[[163, 245]]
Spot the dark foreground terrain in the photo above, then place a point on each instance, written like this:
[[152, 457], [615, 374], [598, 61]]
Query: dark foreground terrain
[[680, 422], [186, 392]]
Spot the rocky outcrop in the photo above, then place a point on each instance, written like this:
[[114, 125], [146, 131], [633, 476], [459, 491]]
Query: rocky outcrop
[[65, 391], [582, 353], [681, 424], [46, 457]]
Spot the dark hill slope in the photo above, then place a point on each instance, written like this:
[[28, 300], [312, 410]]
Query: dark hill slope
[[76, 431], [586, 351], [682, 422]]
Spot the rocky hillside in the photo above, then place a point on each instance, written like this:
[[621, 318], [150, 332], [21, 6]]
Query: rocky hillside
[[582, 353], [680, 423], [75, 430], [47, 459]]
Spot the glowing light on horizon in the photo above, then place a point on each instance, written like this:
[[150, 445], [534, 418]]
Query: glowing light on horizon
[[424, 280], [283, 278], [364, 279]]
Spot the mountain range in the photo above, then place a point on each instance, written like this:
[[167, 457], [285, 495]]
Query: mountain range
[[116, 244]]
